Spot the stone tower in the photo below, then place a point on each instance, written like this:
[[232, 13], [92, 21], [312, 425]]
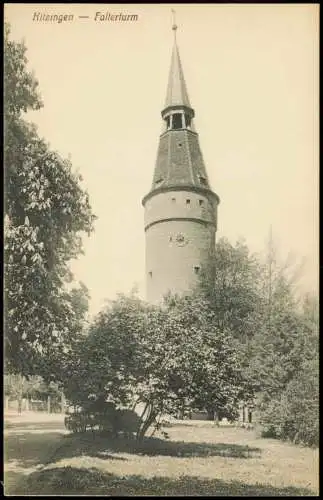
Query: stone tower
[[180, 208]]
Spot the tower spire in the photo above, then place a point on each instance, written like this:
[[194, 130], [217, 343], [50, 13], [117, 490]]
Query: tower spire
[[177, 94]]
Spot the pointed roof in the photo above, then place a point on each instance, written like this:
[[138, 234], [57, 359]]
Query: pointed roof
[[179, 163], [176, 90]]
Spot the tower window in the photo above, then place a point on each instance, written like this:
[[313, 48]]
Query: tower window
[[150, 274], [196, 269], [201, 203], [202, 180], [177, 121], [188, 201], [168, 122], [173, 200], [171, 238]]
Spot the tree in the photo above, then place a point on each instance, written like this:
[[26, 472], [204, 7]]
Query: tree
[[278, 344], [217, 379], [256, 302], [284, 350], [231, 286], [164, 359], [294, 413], [103, 361], [104, 364], [46, 211], [302, 398], [230, 282]]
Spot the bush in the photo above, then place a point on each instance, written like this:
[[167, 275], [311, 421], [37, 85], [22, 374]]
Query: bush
[[78, 422], [295, 415], [105, 418]]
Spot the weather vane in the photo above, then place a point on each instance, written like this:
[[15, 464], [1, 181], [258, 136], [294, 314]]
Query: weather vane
[[174, 26]]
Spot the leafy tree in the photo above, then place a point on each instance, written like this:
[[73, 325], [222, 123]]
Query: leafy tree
[[294, 413], [230, 282], [284, 351], [278, 346], [220, 380], [231, 286], [273, 337], [46, 211], [104, 362], [189, 363], [164, 359], [302, 396]]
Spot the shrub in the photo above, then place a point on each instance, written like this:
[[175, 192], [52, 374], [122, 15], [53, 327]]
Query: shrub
[[78, 422], [105, 418], [295, 415]]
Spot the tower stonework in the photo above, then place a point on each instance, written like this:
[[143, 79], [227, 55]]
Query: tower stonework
[[180, 208]]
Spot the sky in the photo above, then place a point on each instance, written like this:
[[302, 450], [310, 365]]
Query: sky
[[252, 76]]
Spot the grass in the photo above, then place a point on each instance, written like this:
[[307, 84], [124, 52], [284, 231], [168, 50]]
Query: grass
[[196, 460]]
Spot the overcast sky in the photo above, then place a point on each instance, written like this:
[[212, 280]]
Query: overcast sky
[[252, 77]]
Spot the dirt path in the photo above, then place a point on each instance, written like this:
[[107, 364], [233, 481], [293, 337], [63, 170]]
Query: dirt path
[[29, 440]]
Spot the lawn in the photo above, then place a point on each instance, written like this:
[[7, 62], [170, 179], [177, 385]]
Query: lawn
[[198, 459]]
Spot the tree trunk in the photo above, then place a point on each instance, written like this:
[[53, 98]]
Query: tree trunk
[[142, 420], [157, 425], [48, 404], [145, 427], [147, 423]]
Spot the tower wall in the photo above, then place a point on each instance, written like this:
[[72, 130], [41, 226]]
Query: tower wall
[[180, 232]]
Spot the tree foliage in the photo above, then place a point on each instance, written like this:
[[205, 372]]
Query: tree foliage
[[46, 213], [227, 342], [105, 361], [276, 339], [289, 401], [162, 359], [294, 413], [230, 283]]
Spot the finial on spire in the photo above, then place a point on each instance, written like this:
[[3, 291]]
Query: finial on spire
[[174, 26]]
